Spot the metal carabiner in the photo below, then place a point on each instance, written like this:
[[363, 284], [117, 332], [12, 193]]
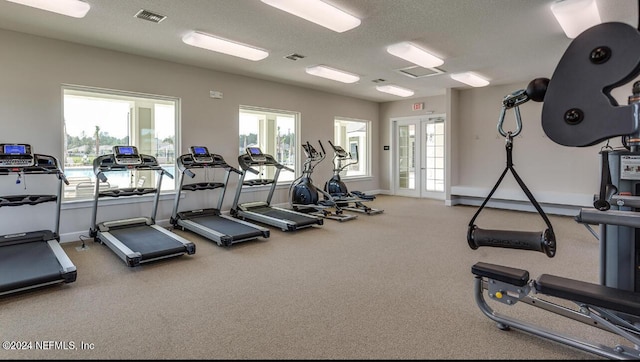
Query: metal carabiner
[[512, 100]]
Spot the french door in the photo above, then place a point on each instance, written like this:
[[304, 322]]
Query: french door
[[419, 156]]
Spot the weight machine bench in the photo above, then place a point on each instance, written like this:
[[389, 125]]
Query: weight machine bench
[[596, 305]]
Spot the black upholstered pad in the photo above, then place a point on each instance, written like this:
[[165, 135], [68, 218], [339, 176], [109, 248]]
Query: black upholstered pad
[[593, 294], [517, 277]]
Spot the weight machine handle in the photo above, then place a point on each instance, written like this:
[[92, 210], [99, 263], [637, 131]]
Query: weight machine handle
[[524, 240]]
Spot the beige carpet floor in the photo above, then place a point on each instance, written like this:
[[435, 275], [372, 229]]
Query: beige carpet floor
[[396, 285]]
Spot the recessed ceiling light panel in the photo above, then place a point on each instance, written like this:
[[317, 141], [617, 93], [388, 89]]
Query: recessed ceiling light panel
[[471, 79], [220, 45], [332, 73], [414, 54], [576, 16], [318, 12], [395, 90], [73, 8]]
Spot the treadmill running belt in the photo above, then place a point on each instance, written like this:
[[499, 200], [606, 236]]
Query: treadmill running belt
[[235, 230], [148, 241], [27, 265], [284, 215]]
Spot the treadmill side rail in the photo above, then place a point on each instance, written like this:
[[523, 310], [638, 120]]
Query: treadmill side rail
[[129, 256], [63, 259]]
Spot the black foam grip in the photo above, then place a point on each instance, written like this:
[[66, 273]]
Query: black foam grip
[[524, 240]]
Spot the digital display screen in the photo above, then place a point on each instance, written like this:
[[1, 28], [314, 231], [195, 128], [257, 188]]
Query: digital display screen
[[200, 151], [15, 149], [125, 150], [310, 150], [254, 151]]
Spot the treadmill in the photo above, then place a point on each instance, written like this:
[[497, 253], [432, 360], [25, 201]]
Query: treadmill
[[262, 211], [210, 223], [135, 240], [32, 259]]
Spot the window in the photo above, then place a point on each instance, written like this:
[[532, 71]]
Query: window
[[275, 133], [353, 136], [96, 120]]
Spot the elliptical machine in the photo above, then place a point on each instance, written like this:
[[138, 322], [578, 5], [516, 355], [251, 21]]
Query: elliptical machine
[[305, 196], [354, 200]]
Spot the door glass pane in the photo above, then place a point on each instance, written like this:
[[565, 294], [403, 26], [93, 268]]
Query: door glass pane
[[406, 157], [434, 155]]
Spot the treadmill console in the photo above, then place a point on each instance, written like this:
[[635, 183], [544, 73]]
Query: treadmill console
[[256, 154], [200, 154], [126, 155], [340, 151], [310, 151], [16, 155]]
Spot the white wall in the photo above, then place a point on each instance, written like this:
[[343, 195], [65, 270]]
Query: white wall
[[34, 69], [476, 151]]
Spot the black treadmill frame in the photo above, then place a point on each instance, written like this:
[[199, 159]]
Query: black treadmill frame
[[27, 245]]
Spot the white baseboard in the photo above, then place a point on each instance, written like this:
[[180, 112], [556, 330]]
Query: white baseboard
[[568, 204]]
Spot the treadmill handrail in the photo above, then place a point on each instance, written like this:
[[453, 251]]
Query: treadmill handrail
[[107, 163], [19, 200]]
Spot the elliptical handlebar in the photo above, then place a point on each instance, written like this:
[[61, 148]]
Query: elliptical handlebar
[[340, 154], [313, 157], [322, 148]]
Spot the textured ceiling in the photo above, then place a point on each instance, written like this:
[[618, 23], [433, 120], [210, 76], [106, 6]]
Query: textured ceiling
[[505, 41]]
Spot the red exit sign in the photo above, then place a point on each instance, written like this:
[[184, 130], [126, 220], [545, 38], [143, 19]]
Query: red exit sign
[[418, 106]]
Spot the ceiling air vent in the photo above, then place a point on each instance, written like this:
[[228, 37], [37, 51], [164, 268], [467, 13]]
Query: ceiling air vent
[[379, 80], [148, 15], [420, 72], [294, 56]]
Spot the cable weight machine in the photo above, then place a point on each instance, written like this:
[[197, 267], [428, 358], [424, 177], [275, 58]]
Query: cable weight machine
[[543, 241], [579, 111]]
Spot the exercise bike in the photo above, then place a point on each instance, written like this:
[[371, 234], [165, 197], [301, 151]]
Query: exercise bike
[[354, 200], [305, 196], [578, 111]]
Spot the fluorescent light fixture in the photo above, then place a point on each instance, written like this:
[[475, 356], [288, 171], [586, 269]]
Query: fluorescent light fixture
[[318, 12], [576, 16], [74, 8], [220, 45], [395, 90], [471, 79], [414, 54], [333, 74]]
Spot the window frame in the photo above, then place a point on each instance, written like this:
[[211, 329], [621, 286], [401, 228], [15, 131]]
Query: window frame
[[366, 150], [137, 98], [268, 172]]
